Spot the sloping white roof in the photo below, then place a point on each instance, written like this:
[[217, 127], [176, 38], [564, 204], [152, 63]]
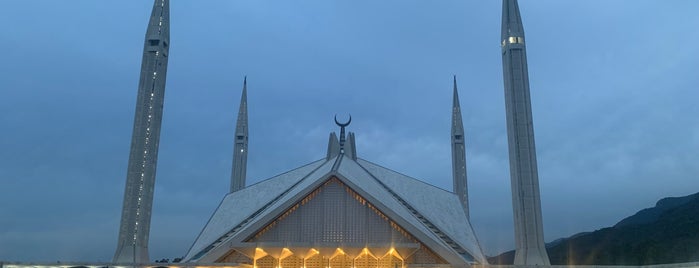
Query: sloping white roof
[[433, 215], [360, 177], [303, 185], [236, 207], [441, 207]]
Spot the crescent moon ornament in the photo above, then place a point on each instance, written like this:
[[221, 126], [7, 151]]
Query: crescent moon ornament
[[345, 124], [342, 132]]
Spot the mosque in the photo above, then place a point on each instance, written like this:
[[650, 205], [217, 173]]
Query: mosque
[[342, 211]]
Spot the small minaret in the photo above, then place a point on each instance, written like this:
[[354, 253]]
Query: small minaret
[[458, 153], [132, 245], [240, 151], [526, 202]]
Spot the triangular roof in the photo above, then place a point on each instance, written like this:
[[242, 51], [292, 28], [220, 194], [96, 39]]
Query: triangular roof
[[430, 214], [332, 216]]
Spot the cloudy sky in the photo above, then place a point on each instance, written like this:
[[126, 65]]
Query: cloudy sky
[[613, 86]]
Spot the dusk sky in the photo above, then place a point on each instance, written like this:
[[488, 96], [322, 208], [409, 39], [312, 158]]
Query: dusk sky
[[614, 87]]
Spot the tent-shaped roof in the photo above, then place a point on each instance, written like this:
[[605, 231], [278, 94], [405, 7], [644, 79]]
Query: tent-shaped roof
[[430, 214]]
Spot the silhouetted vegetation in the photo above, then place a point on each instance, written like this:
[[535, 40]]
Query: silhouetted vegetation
[[667, 233]]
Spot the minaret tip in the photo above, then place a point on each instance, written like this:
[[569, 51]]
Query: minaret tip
[[458, 153], [511, 22], [240, 151], [244, 98], [456, 95]]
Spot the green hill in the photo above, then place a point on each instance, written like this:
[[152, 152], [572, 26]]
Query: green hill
[[666, 233]]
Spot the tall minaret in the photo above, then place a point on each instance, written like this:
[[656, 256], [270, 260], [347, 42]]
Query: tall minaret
[[526, 203], [240, 151], [140, 177], [458, 153]]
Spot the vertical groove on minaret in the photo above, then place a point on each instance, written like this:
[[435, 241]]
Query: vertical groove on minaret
[[458, 153], [526, 202], [240, 150], [132, 246]]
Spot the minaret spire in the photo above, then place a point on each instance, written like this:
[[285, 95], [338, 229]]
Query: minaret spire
[[140, 178], [526, 202], [240, 151], [511, 22], [458, 153]]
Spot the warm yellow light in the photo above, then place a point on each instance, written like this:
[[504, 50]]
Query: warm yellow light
[[259, 253], [285, 253]]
